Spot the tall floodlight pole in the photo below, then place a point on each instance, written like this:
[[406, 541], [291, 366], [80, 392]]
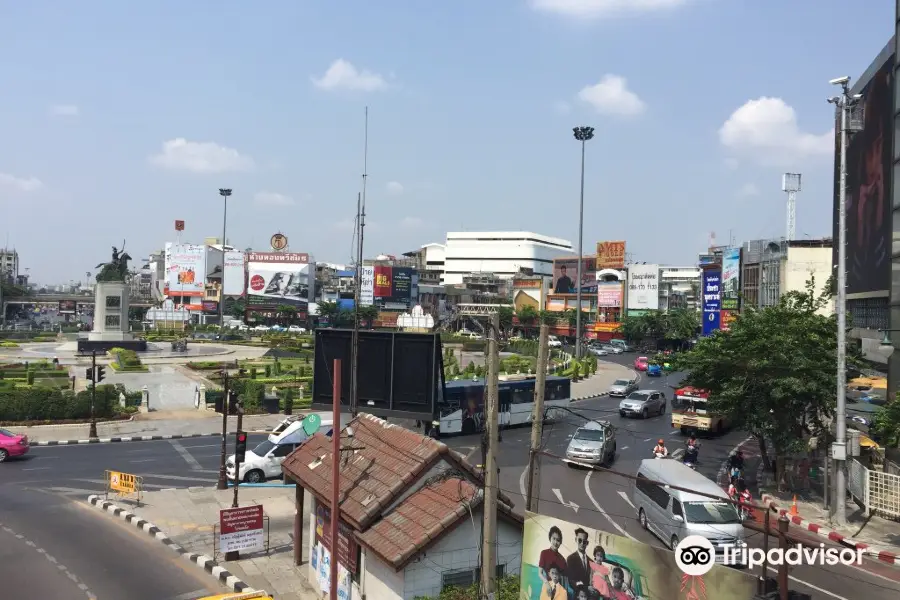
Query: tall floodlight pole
[[582, 134], [845, 104], [790, 184], [224, 192]]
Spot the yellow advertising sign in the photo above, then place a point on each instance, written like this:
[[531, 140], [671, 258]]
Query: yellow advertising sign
[[608, 327], [122, 482], [610, 255]]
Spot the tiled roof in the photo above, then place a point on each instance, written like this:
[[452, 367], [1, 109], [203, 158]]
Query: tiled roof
[[387, 461], [423, 517]]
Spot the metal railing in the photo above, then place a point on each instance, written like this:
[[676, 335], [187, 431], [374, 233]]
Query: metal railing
[[878, 491]]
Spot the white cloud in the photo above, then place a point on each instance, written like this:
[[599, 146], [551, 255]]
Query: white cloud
[[747, 190], [412, 222], [394, 188], [20, 184], [201, 157], [64, 110], [611, 96], [766, 130], [562, 108], [342, 75], [604, 9], [273, 199]]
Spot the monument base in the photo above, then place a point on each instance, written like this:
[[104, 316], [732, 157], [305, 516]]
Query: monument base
[[103, 342]]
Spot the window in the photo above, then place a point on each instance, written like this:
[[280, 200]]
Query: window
[[522, 396], [653, 491], [676, 508], [283, 450], [113, 301], [465, 577]]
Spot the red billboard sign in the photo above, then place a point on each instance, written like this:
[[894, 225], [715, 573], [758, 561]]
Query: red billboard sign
[[382, 285]]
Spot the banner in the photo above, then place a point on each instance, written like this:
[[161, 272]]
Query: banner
[[67, 307], [565, 272], [185, 269], [726, 318], [388, 287], [609, 294], [367, 286], [278, 279], [235, 276], [610, 255], [643, 287], [712, 302], [617, 567], [731, 278]]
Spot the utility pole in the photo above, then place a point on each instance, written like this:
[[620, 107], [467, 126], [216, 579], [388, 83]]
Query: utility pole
[[93, 431], [491, 470], [537, 420], [223, 477], [241, 438], [783, 568], [335, 474], [224, 192], [360, 228]]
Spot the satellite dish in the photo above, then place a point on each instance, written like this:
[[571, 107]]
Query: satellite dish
[[311, 423]]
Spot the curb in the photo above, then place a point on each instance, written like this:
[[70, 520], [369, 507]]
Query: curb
[[137, 438], [201, 560], [884, 556], [30, 427], [591, 397]]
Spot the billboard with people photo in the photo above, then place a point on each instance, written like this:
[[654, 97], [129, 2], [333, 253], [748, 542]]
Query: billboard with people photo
[[565, 273], [280, 278]]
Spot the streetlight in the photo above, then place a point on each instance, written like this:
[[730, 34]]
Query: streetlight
[[844, 103], [582, 134], [224, 192]]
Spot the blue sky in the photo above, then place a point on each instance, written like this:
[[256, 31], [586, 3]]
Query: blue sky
[[117, 118]]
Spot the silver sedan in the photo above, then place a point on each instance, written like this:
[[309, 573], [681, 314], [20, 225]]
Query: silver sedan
[[622, 387]]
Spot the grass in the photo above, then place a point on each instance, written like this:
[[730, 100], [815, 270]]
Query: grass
[[132, 369]]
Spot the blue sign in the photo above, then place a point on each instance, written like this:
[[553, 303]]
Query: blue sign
[[712, 300]]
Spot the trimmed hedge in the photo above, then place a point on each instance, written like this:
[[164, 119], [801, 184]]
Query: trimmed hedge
[[48, 404]]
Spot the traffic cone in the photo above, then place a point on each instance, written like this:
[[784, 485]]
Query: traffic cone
[[794, 511]]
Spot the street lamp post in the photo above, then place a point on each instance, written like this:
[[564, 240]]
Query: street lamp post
[[582, 134], [844, 103], [224, 192]]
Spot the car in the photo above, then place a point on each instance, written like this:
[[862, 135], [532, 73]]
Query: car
[[12, 445], [296, 329], [622, 387], [641, 363], [654, 370], [598, 351], [621, 344], [554, 342], [643, 403], [613, 349], [594, 443]]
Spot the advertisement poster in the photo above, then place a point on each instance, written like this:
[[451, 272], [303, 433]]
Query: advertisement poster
[[643, 287], [280, 278], [185, 269], [235, 283], [726, 317], [617, 566], [731, 279], [382, 286], [388, 287], [565, 272], [367, 287], [67, 307], [712, 303], [609, 294], [610, 255]]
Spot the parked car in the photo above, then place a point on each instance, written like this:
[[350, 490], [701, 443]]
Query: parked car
[[12, 444], [641, 363], [612, 349], [643, 403], [597, 351], [554, 342], [296, 329], [621, 344], [654, 370], [622, 387], [594, 443]]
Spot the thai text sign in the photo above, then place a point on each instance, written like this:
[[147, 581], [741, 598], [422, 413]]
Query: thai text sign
[[609, 294], [241, 529], [712, 300], [610, 255], [123, 483], [347, 548]]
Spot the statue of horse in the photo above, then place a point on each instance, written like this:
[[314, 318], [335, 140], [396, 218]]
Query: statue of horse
[[117, 268]]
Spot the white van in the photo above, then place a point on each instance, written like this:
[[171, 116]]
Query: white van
[[264, 461], [672, 515]]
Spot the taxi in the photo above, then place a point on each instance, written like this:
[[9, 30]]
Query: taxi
[[240, 596]]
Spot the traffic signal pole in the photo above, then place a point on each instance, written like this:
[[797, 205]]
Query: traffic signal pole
[[239, 448], [223, 475], [93, 433]]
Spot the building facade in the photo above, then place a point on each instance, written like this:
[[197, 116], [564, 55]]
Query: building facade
[[679, 288], [771, 268], [9, 265], [502, 253]]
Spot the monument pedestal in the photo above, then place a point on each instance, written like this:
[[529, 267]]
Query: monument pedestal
[[111, 301]]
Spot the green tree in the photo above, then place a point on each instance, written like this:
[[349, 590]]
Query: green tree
[[287, 314], [681, 324], [330, 311], [527, 316], [546, 317], [886, 425], [633, 329], [367, 315], [508, 589], [773, 373], [236, 308], [505, 314]]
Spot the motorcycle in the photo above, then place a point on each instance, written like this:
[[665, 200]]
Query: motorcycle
[[660, 455], [690, 458]]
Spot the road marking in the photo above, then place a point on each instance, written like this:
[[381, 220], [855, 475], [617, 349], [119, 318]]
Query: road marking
[[559, 497], [627, 499], [648, 439], [36, 469], [587, 490], [624, 447], [811, 586], [190, 460], [68, 491], [219, 445], [44, 457], [678, 453], [674, 432], [522, 489], [140, 450], [143, 460]]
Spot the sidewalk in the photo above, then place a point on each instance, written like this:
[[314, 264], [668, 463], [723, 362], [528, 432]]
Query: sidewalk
[[598, 383], [186, 518]]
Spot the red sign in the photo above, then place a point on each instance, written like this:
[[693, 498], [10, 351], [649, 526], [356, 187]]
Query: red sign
[[241, 528], [382, 286], [278, 257], [348, 549], [179, 225], [257, 283], [726, 318]]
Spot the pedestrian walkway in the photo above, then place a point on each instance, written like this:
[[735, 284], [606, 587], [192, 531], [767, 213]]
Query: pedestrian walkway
[[188, 517], [598, 383]]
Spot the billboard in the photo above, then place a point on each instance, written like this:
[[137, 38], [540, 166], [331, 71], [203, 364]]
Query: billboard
[[731, 279], [712, 300], [617, 567], [278, 279], [610, 255], [210, 307], [400, 374], [235, 281], [388, 287], [726, 318], [868, 188], [565, 272], [643, 287], [185, 268], [67, 307], [609, 294]]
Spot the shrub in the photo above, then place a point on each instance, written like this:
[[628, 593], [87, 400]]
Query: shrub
[[8, 345], [473, 346], [49, 404], [268, 370], [29, 378]]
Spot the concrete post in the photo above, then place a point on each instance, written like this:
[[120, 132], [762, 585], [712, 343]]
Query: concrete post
[[145, 399], [202, 403]]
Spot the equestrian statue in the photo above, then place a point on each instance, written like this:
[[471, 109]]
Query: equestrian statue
[[117, 268]]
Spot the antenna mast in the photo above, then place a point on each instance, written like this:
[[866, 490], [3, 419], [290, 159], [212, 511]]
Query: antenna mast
[[790, 183], [361, 225]]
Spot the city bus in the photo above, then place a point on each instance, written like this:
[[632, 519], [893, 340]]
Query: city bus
[[462, 408], [691, 414]]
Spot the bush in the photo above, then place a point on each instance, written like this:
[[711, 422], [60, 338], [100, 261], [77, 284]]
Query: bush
[[8, 345], [525, 347], [48, 404], [473, 346], [29, 378]]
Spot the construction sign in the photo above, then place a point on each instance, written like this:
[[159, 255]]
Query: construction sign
[[124, 485]]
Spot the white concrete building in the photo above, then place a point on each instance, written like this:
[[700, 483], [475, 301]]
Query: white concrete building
[[9, 264], [678, 287], [503, 253]]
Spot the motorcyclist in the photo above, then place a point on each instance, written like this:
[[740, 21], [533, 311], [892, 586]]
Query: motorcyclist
[[745, 501], [691, 452], [733, 489], [736, 463], [660, 448]]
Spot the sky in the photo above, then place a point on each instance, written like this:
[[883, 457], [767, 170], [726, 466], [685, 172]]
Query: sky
[[118, 118]]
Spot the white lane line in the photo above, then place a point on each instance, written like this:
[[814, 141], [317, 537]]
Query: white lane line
[[190, 460], [44, 457], [648, 439], [624, 447], [587, 490], [219, 445], [36, 469], [627, 499], [140, 450], [143, 460], [522, 489], [674, 432], [811, 586]]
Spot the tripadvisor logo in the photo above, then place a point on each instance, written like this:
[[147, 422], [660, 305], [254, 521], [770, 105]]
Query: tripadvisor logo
[[695, 555]]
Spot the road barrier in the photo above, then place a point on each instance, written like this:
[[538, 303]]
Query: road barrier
[[124, 486], [879, 492]]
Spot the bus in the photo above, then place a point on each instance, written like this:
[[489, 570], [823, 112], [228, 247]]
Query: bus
[[690, 413], [462, 408]]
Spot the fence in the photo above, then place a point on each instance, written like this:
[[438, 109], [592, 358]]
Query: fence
[[878, 491]]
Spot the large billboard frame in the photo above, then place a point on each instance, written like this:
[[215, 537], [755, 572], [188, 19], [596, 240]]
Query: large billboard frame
[[712, 300], [235, 277], [588, 274], [267, 302], [730, 298], [639, 273], [386, 360], [177, 269]]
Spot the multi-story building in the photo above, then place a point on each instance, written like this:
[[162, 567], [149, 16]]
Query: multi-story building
[[679, 287], [9, 265], [429, 262], [771, 268], [501, 253]]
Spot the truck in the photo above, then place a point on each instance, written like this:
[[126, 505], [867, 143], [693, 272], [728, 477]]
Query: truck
[[691, 413]]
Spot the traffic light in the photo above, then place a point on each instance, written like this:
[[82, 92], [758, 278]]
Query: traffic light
[[101, 373], [232, 402], [240, 448], [89, 373]]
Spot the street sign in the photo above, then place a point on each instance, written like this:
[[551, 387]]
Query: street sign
[[241, 529], [124, 485], [311, 423]]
